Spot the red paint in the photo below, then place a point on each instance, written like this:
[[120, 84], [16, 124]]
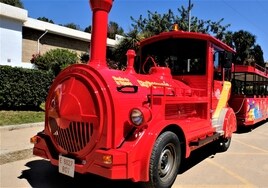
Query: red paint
[[100, 9], [250, 97], [89, 109]]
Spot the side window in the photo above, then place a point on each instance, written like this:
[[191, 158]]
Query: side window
[[222, 65], [217, 67]]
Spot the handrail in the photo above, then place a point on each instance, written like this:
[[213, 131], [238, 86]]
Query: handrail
[[261, 68], [174, 93]]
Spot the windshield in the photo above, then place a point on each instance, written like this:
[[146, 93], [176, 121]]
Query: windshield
[[182, 56]]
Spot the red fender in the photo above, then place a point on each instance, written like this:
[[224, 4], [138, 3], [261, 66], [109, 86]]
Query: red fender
[[229, 124]]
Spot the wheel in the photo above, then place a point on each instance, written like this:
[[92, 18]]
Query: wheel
[[165, 160], [224, 144]]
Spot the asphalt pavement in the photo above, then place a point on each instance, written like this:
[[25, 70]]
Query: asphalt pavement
[[244, 165], [17, 137]]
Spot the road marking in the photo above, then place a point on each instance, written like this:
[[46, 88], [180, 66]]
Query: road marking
[[251, 146], [233, 153], [243, 180], [264, 134], [213, 186]]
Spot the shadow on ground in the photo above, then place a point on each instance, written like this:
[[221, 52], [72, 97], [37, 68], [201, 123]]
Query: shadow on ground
[[248, 129], [42, 174]]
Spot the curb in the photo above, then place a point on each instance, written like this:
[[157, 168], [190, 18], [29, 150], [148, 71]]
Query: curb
[[21, 126]]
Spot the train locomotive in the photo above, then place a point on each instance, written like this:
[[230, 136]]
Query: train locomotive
[[139, 123]]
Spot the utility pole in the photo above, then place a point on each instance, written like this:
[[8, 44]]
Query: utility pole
[[189, 16]]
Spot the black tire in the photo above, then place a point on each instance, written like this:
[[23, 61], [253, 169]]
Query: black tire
[[224, 144], [165, 161]]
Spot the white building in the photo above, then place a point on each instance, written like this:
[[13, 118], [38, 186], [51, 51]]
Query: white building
[[21, 37], [11, 21]]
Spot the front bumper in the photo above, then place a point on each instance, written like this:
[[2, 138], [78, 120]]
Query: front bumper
[[121, 167]]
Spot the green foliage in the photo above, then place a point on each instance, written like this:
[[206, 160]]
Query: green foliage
[[247, 51], [111, 63], [23, 88], [84, 58], [257, 54], [130, 41], [88, 29], [14, 117], [45, 19], [15, 3], [55, 60], [156, 23], [72, 26], [113, 29]]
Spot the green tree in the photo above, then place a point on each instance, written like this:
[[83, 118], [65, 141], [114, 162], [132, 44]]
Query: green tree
[[16, 3], [88, 29], [243, 43], [45, 19], [55, 60], [113, 29], [247, 51], [130, 41], [156, 23], [228, 39], [72, 26], [257, 54]]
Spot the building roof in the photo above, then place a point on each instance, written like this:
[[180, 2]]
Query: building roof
[[12, 12], [62, 31], [21, 15]]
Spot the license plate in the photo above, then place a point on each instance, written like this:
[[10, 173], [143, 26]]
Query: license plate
[[66, 166]]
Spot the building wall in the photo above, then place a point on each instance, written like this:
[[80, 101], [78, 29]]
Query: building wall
[[19, 35], [11, 20], [47, 42]]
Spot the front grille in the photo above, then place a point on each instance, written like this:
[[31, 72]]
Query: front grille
[[75, 137]]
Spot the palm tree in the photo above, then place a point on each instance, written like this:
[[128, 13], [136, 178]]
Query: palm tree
[[243, 43], [257, 53]]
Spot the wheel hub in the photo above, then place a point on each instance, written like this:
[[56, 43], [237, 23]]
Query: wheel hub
[[166, 162]]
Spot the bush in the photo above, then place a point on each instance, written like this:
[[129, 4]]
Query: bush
[[55, 60], [23, 88], [84, 58]]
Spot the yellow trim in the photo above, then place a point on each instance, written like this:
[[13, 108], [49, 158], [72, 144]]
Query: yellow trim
[[223, 98]]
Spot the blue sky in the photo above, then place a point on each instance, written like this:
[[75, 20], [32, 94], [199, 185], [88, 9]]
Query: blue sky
[[249, 15]]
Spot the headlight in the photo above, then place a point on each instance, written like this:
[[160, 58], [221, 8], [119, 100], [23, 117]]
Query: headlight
[[136, 117], [140, 115]]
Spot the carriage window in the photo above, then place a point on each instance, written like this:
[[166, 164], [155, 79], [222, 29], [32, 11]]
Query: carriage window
[[249, 84]]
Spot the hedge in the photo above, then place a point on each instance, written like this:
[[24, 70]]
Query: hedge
[[23, 88]]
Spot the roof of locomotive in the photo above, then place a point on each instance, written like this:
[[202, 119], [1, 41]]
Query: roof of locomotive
[[190, 35]]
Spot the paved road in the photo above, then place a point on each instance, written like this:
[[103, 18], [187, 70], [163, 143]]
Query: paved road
[[244, 165]]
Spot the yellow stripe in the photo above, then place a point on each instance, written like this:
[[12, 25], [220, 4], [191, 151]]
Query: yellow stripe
[[251, 146], [231, 173], [223, 98]]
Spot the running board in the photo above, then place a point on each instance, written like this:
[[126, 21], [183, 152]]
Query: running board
[[201, 142]]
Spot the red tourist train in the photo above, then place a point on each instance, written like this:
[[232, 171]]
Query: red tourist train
[[140, 123], [250, 94]]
